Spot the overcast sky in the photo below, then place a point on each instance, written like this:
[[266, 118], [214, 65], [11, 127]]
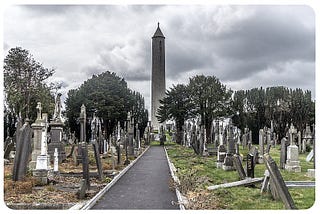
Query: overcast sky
[[244, 46]]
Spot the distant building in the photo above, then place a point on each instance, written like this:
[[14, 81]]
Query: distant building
[[158, 81]]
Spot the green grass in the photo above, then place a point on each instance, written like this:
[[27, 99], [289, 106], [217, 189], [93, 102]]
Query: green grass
[[204, 169]]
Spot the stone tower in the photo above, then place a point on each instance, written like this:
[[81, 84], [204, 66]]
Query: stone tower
[[158, 81]]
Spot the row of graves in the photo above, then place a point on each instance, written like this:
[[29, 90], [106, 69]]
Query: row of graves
[[40, 153], [225, 141]]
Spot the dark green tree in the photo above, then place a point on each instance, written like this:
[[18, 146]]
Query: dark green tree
[[24, 84], [177, 106], [108, 96], [210, 98]]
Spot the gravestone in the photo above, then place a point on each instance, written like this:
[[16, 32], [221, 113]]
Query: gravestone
[[222, 152], [23, 151], [37, 128], [56, 161], [131, 133], [56, 132], [83, 137], [250, 165], [238, 165], [42, 166], [85, 164], [310, 156], [292, 163], [278, 183], [228, 160], [97, 158], [283, 152], [8, 147], [261, 145]]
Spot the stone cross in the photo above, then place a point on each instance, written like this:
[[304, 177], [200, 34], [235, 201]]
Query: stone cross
[[292, 131]]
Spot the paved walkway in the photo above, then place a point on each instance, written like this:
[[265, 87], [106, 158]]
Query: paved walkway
[[144, 186]]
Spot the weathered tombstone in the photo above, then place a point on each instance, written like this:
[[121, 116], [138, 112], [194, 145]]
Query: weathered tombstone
[[310, 156], [23, 151], [299, 142], [56, 132], [42, 166], [278, 182], [83, 119], [292, 163], [97, 158], [228, 160], [250, 165], [131, 133], [56, 161], [8, 147], [265, 183], [37, 128], [255, 153], [283, 152], [221, 155], [261, 145], [238, 165], [85, 164]]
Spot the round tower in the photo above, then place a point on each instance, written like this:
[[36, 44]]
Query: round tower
[[158, 82]]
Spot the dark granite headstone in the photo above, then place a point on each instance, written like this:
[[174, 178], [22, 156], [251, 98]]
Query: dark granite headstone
[[97, 157], [238, 165], [250, 165], [277, 183], [85, 164], [23, 152]]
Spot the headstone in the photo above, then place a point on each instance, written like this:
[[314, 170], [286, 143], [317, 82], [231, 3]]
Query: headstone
[[261, 145], [23, 151], [85, 164], [8, 147], [56, 161], [222, 152], [292, 163], [278, 182], [250, 165], [265, 183], [83, 138], [283, 152], [238, 165], [310, 156], [131, 133], [97, 158], [56, 133], [37, 128]]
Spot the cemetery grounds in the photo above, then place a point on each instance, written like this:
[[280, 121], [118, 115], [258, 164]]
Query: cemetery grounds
[[61, 192], [196, 173]]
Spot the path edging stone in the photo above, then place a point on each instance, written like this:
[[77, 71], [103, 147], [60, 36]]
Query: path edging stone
[[176, 180], [90, 203]]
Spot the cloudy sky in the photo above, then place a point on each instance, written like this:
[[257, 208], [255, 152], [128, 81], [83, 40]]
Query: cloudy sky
[[244, 46]]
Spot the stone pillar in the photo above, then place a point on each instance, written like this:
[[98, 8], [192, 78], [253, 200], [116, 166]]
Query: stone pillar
[[37, 128], [56, 161], [261, 145]]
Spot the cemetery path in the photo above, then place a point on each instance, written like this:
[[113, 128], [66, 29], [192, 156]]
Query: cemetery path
[[144, 186]]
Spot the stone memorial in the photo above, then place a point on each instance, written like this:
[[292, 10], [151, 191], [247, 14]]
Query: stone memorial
[[222, 152], [292, 163], [277, 183], [56, 132], [56, 161], [238, 165], [23, 151], [250, 165]]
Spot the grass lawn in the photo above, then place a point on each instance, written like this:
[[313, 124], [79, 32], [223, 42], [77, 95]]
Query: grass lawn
[[197, 173]]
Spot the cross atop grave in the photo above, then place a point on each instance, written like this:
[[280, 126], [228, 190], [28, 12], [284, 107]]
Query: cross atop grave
[[39, 110], [292, 131]]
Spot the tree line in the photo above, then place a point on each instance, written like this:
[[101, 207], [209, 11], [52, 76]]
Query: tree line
[[206, 97], [26, 83]]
